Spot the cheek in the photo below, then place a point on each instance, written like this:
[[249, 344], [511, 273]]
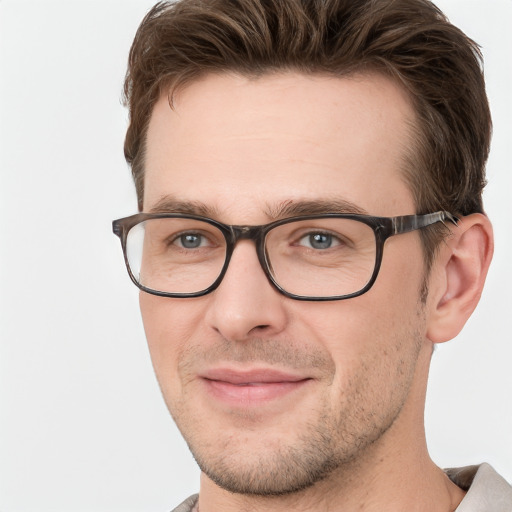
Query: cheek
[[168, 324], [155, 326], [371, 335]]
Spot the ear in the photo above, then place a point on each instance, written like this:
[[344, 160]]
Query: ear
[[458, 276]]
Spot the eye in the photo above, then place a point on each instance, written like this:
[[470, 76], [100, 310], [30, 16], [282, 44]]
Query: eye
[[319, 241], [190, 241]]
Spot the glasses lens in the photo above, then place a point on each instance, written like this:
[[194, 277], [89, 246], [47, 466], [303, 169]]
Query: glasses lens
[[325, 257], [175, 255]]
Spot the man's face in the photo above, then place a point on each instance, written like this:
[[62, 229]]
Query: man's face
[[273, 394]]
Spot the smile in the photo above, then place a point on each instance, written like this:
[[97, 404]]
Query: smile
[[255, 387]]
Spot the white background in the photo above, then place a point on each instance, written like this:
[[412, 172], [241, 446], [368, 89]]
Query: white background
[[82, 423]]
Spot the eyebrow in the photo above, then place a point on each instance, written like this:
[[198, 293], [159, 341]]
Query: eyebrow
[[283, 210], [170, 204], [315, 207]]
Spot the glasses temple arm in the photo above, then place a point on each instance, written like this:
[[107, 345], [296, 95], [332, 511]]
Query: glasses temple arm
[[408, 223]]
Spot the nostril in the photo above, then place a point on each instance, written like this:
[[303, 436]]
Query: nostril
[[261, 327]]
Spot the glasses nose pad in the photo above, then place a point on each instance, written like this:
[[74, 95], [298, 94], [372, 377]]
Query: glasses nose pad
[[256, 234], [264, 259]]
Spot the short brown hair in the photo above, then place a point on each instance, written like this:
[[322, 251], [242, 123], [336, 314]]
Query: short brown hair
[[409, 40]]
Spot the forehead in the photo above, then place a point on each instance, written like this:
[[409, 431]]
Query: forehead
[[246, 145]]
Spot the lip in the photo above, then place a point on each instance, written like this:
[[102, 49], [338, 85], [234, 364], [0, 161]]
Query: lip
[[251, 387]]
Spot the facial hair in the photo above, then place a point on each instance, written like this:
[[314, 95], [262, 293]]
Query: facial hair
[[328, 439]]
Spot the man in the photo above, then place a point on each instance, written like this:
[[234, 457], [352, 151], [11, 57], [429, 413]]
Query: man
[[309, 177]]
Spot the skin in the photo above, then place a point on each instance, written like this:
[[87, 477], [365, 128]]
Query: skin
[[351, 431]]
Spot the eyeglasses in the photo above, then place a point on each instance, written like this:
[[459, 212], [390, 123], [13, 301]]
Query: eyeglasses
[[317, 257]]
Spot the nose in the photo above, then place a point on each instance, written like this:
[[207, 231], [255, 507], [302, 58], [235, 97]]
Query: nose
[[245, 304]]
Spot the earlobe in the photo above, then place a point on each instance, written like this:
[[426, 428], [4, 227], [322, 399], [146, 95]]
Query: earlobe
[[461, 269]]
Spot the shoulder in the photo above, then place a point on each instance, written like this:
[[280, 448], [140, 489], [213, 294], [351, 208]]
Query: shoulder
[[188, 505], [486, 490]]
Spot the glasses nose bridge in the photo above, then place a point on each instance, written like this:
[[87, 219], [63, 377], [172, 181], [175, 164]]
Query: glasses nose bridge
[[246, 233], [254, 233]]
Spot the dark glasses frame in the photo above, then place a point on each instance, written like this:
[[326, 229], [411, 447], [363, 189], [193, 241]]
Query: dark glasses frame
[[383, 228]]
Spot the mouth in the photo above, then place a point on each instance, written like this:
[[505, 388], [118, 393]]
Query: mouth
[[251, 387]]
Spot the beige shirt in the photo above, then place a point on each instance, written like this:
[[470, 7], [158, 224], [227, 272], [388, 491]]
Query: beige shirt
[[486, 491]]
